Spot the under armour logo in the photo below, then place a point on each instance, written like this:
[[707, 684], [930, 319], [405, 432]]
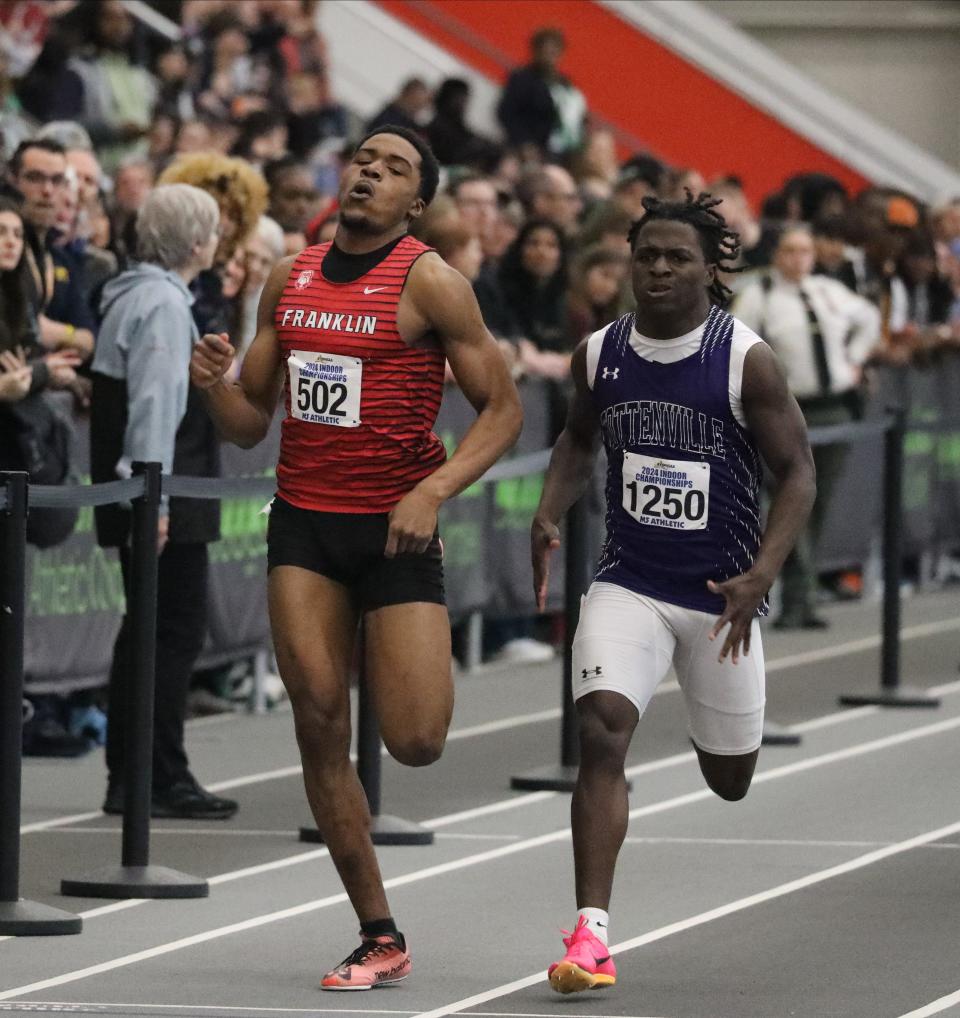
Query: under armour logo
[[613, 373], [587, 672]]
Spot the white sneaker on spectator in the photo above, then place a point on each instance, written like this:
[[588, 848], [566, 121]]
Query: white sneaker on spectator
[[525, 650]]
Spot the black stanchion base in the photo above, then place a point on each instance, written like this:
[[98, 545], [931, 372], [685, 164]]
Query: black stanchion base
[[384, 830], [777, 735], [555, 778], [31, 919], [136, 882], [902, 696]]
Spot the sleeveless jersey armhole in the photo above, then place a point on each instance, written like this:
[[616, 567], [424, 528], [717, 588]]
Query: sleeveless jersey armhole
[[594, 347], [740, 343]]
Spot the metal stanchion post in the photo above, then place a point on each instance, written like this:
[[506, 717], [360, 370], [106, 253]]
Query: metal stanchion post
[[384, 829], [135, 877], [18, 918], [891, 693], [563, 777]]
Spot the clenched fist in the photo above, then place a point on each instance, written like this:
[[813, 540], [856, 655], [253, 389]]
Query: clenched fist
[[211, 360]]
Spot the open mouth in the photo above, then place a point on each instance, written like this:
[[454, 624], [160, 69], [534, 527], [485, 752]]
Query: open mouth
[[362, 189]]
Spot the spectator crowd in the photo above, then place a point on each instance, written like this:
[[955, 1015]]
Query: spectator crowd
[[99, 114]]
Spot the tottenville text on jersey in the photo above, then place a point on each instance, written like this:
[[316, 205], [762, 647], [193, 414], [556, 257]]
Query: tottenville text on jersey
[[652, 422]]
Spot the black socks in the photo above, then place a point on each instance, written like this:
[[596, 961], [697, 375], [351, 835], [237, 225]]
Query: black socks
[[382, 928]]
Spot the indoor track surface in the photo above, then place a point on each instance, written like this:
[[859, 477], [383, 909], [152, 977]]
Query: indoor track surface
[[833, 889]]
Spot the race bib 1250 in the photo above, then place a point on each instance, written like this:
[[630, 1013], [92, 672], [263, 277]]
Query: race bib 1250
[[666, 493], [325, 388]]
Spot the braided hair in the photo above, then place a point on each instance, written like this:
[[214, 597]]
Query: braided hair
[[720, 244]]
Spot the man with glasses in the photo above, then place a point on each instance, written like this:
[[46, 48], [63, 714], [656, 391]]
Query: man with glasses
[[38, 170]]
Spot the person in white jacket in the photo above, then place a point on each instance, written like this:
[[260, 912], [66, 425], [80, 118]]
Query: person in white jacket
[[823, 334]]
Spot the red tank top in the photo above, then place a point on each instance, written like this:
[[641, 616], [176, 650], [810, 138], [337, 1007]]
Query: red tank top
[[360, 402]]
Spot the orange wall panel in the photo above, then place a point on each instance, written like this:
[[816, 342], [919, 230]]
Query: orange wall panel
[[632, 81]]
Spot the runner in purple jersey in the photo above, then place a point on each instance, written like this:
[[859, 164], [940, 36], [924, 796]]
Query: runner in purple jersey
[[688, 402]]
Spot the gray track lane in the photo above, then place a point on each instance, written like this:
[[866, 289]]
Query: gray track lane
[[474, 771], [660, 882]]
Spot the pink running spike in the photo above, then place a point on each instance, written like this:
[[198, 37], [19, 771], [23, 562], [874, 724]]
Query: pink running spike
[[587, 965]]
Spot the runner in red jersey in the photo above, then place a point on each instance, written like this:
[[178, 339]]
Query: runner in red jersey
[[355, 334], [372, 452]]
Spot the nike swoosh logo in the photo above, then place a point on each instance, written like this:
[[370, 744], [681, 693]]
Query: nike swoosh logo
[[601, 961], [373, 289]]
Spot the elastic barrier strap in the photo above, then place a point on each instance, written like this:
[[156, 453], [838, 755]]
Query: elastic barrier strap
[[219, 487], [75, 495], [834, 434], [72, 496]]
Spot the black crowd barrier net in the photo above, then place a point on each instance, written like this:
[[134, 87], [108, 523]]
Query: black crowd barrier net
[[75, 593]]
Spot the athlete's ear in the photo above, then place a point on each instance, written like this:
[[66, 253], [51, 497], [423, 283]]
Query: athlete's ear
[[417, 209], [710, 274]]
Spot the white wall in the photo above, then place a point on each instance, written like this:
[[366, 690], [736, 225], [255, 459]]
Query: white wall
[[372, 54], [897, 60]]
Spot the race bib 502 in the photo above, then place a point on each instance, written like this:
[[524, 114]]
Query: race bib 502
[[666, 493], [325, 388]]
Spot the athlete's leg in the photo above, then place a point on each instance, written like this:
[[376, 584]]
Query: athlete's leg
[[314, 628], [724, 703], [408, 672], [599, 810], [621, 652], [728, 776]]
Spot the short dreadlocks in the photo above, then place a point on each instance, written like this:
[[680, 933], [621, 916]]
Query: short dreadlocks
[[720, 244]]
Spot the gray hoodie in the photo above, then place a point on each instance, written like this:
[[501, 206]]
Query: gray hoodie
[[146, 339]]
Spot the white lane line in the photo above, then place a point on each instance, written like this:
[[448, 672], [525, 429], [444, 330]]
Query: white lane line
[[774, 842], [518, 720], [227, 833], [193, 832], [547, 1014], [482, 837], [914, 632], [713, 914], [427, 873], [516, 802], [854, 713], [49, 825], [935, 1006], [442, 821], [37, 1005], [500, 806], [455, 735]]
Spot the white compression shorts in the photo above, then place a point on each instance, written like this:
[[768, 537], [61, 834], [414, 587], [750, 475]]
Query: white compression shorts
[[626, 643]]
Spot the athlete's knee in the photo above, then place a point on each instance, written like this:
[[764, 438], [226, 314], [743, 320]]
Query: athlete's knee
[[418, 746], [730, 789], [727, 776], [604, 738], [321, 722]]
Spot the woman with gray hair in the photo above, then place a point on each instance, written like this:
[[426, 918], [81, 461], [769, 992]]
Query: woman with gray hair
[[141, 387], [263, 249]]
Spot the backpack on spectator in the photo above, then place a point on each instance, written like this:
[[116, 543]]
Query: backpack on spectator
[[43, 438]]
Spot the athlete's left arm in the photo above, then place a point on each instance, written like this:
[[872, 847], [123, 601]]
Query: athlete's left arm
[[443, 300], [777, 426]]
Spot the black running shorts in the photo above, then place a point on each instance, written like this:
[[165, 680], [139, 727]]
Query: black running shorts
[[348, 548]]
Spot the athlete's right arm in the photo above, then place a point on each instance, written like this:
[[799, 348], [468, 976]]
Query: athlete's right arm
[[242, 410], [569, 473]]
